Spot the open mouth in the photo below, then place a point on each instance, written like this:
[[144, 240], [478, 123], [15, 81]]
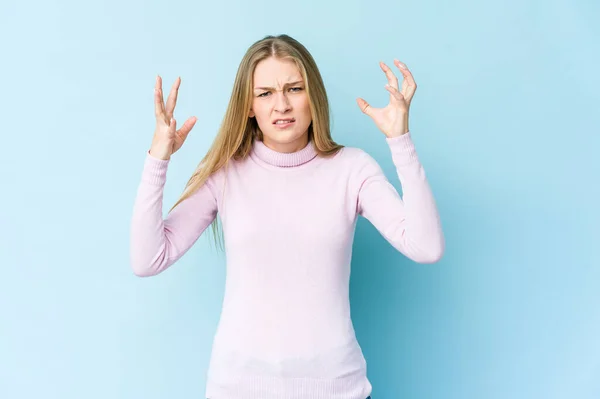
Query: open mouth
[[281, 123]]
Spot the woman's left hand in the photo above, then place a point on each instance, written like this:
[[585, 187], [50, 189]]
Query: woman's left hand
[[393, 119]]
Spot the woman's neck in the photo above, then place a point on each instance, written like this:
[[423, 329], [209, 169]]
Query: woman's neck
[[299, 156]]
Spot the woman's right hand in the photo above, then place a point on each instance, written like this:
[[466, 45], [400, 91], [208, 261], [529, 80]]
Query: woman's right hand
[[167, 139]]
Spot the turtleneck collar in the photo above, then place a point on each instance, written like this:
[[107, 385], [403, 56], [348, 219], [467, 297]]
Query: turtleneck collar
[[282, 159]]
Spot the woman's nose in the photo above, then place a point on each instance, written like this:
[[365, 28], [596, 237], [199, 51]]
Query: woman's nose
[[282, 103]]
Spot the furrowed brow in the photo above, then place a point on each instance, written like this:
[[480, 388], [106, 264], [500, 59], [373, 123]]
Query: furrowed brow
[[272, 88]]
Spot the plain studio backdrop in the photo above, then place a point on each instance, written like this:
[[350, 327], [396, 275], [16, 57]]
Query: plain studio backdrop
[[505, 120]]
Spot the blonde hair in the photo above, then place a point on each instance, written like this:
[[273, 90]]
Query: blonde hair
[[237, 131]]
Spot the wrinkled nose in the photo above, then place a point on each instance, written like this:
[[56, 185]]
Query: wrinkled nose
[[282, 103]]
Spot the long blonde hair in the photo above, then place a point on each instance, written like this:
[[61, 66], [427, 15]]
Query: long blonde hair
[[237, 131]]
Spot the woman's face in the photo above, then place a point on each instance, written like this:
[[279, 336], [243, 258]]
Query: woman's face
[[279, 93]]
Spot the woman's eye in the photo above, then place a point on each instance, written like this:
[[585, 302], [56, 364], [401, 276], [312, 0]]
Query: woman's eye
[[295, 89]]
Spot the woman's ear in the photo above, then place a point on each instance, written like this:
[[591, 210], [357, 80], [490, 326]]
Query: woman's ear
[[251, 113]]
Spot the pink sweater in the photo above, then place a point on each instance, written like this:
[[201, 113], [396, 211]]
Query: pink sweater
[[288, 220]]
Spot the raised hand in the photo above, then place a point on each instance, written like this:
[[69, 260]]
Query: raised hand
[[393, 119], [167, 139]]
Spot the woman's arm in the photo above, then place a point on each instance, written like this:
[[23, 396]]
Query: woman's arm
[[156, 243], [411, 223]]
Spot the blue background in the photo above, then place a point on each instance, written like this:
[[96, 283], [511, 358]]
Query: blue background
[[505, 120]]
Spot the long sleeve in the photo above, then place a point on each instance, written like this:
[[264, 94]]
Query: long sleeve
[[410, 223], [155, 244]]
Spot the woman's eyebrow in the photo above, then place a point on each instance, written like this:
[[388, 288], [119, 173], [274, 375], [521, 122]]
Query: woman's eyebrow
[[287, 84]]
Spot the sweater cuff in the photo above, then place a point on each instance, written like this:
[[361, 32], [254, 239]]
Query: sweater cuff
[[155, 170], [403, 149]]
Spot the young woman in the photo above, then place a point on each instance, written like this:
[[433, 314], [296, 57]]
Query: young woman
[[288, 198]]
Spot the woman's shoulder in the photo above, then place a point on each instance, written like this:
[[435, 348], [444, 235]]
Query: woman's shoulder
[[354, 156], [357, 163]]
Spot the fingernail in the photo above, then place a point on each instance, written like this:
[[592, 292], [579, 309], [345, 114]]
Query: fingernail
[[401, 65]]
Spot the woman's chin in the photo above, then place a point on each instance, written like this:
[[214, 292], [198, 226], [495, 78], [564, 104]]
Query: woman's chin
[[285, 138]]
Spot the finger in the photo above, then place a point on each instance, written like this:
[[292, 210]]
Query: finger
[[365, 107], [406, 73], [172, 99], [158, 104], [187, 126], [409, 86], [172, 127], [159, 107], [392, 79], [395, 95]]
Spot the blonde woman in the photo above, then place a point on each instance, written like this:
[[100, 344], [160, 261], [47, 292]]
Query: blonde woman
[[288, 198]]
